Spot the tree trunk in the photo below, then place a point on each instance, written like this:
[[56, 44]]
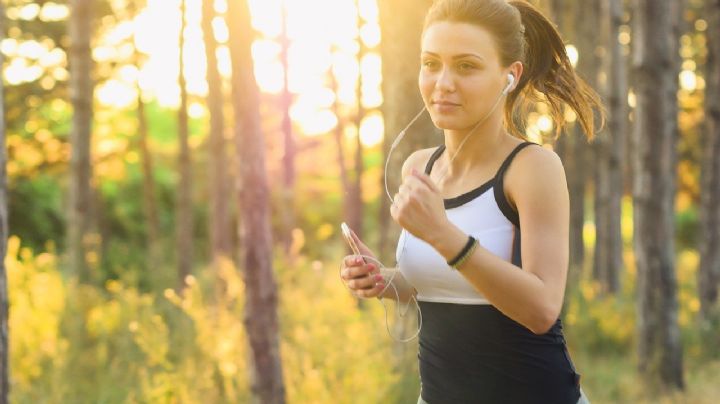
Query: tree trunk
[[220, 230], [286, 100], [149, 197], [4, 303], [401, 24], [81, 97], [261, 321], [608, 148], [349, 187], [564, 14], [400, 51], [577, 166], [338, 135], [355, 219], [709, 268], [654, 71], [184, 193]]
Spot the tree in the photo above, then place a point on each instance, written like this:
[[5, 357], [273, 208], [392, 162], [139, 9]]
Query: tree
[[81, 97], [566, 146], [4, 303], [288, 161], [400, 52], [184, 230], [580, 157], [654, 71], [709, 268], [338, 135], [220, 236], [351, 179], [261, 319], [150, 210], [608, 148], [355, 205]]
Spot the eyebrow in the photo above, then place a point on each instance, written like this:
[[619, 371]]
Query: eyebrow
[[460, 56]]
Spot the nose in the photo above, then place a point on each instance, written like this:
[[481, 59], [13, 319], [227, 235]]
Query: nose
[[445, 81]]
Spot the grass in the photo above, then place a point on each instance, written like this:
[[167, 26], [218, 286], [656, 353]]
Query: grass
[[615, 379]]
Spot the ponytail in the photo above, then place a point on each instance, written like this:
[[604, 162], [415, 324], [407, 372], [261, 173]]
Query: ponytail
[[548, 71]]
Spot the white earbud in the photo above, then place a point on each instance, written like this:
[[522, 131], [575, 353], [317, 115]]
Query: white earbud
[[511, 81]]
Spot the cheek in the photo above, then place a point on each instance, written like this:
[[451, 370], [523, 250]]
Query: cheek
[[426, 84], [482, 91]]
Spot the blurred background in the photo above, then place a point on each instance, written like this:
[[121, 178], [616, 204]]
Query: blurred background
[[175, 173]]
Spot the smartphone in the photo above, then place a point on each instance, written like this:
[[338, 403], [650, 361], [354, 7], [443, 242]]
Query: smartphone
[[386, 273], [348, 237]]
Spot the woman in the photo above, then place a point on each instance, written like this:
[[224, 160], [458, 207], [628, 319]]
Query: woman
[[485, 215]]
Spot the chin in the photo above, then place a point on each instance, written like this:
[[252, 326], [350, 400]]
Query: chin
[[448, 123]]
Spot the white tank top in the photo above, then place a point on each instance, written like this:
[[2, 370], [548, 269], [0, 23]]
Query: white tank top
[[483, 213]]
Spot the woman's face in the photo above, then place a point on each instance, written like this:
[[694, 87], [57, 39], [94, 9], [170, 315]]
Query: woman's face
[[461, 76]]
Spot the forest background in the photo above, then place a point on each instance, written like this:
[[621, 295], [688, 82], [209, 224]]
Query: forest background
[[174, 173]]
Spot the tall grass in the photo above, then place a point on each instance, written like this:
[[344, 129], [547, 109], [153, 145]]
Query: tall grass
[[112, 343]]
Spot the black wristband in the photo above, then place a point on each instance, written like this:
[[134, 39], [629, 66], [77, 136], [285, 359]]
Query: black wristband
[[468, 245]]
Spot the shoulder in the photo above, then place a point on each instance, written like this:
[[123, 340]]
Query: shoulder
[[536, 156], [417, 160], [536, 172]]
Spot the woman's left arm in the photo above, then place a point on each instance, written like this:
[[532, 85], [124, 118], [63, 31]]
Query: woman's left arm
[[531, 295]]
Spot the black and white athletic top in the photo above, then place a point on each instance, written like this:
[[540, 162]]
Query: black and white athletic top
[[469, 351]]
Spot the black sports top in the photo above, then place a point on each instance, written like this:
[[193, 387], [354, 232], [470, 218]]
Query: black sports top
[[473, 353]]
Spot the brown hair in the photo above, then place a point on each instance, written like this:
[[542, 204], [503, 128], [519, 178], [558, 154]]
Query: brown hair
[[522, 33]]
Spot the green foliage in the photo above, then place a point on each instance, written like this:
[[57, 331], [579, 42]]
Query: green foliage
[[116, 343], [687, 228], [81, 343], [36, 211], [332, 352], [598, 322], [38, 154], [37, 297]]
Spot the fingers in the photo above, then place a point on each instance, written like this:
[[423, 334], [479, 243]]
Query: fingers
[[409, 191], [424, 179], [353, 260], [364, 283], [362, 279], [404, 188], [357, 270], [373, 292]]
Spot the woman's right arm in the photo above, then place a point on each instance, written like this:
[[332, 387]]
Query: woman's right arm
[[405, 290], [360, 277]]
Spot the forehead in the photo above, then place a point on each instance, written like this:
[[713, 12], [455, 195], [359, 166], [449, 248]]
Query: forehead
[[448, 39]]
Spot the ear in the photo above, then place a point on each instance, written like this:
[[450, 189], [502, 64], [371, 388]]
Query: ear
[[516, 69]]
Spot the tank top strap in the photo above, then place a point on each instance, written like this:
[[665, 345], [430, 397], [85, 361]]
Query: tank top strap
[[505, 164], [507, 210], [433, 157]]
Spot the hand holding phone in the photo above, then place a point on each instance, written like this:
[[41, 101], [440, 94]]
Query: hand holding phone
[[349, 238], [362, 278], [366, 278]]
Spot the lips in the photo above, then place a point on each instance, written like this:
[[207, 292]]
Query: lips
[[446, 103], [445, 107]]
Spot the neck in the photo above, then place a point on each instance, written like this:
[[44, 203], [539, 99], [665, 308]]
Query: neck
[[479, 148]]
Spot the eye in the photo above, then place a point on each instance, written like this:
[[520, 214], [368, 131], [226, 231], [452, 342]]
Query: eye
[[430, 64], [466, 66]]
